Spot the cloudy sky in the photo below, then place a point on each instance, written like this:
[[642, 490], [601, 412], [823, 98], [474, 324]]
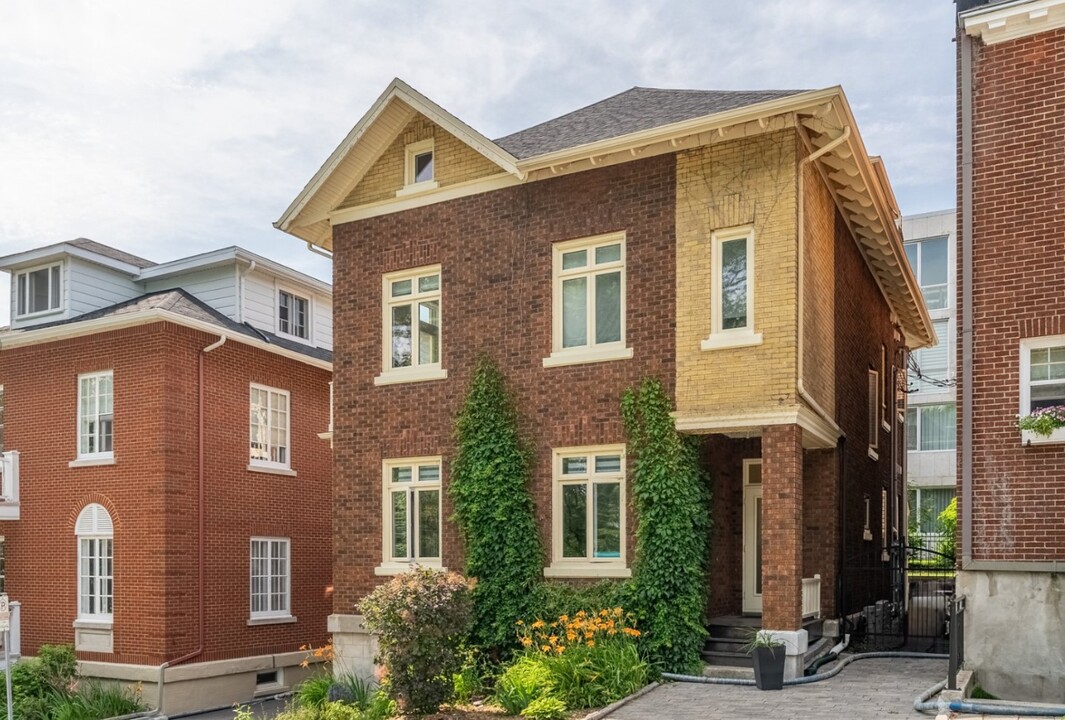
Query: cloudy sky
[[172, 127]]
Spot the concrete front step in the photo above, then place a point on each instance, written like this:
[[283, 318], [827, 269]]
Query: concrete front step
[[729, 659], [728, 635]]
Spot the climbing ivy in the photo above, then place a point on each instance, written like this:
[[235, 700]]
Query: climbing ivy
[[494, 509], [671, 500]]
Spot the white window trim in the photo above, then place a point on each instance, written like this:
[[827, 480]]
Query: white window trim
[[96, 458], [390, 565], [918, 271], [266, 617], [917, 422], [1027, 345], [309, 297], [62, 290], [721, 338], [415, 372], [409, 153], [593, 351], [258, 464], [561, 567], [873, 412], [101, 621]]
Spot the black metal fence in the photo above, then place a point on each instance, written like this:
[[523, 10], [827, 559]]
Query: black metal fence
[[901, 602]]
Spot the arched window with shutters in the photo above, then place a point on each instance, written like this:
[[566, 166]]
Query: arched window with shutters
[[96, 582]]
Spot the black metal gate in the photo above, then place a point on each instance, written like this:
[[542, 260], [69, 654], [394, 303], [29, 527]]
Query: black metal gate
[[898, 602]]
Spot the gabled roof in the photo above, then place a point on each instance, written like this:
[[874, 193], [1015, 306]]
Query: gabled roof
[[634, 110], [638, 123], [178, 305], [108, 251]]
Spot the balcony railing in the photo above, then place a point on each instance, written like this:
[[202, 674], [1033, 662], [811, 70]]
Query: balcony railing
[[9, 506], [811, 597]]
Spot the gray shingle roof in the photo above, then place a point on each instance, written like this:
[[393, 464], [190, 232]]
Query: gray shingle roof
[[631, 111], [180, 302], [108, 251]]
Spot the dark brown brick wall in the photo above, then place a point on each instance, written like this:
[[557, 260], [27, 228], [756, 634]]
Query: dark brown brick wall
[[495, 251], [1018, 276], [151, 492], [723, 459]]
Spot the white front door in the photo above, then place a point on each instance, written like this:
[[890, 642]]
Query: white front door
[[752, 536]]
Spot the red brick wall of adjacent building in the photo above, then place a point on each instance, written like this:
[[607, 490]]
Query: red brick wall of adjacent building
[[495, 251], [1018, 276], [151, 492]]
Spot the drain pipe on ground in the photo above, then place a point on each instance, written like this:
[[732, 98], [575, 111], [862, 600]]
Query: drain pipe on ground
[[811, 678], [925, 704]]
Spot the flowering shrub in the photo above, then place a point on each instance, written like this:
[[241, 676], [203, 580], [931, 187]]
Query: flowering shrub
[[421, 618], [585, 660], [1044, 421]]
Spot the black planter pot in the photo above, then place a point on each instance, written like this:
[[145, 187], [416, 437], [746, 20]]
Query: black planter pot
[[769, 667]]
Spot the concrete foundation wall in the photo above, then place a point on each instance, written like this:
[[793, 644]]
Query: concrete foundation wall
[[1015, 633]]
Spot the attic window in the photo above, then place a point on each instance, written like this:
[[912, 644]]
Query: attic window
[[419, 171], [39, 290]]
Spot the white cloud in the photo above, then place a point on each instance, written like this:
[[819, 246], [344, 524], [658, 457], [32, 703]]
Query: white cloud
[[172, 127]]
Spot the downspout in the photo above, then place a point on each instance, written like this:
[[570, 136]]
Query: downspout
[[966, 50], [243, 274], [800, 386], [200, 605], [319, 251]]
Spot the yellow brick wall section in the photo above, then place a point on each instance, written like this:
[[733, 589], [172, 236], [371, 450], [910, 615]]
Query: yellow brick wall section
[[752, 181], [819, 271], [454, 162]]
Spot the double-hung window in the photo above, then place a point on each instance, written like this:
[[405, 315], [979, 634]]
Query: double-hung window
[[930, 428], [874, 413], [293, 315], [934, 361], [732, 290], [270, 578], [929, 260], [589, 301], [419, 172], [588, 515], [96, 571], [96, 416], [269, 428], [39, 290], [411, 513], [412, 330], [1043, 381]]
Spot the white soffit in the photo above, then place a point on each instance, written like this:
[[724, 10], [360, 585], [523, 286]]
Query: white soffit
[[1009, 21]]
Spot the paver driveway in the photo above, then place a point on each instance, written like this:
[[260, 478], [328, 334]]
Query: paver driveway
[[864, 690]]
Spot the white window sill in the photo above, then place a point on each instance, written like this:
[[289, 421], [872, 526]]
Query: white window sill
[[390, 568], [271, 470], [725, 340], [295, 338], [417, 188], [1030, 438], [886, 425], [581, 356], [93, 624], [39, 314], [276, 620], [410, 375], [587, 570], [873, 454], [91, 462]]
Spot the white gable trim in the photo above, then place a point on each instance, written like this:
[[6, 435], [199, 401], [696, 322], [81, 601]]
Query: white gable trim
[[1010, 21]]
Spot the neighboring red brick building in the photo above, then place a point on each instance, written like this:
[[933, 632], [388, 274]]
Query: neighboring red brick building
[[741, 247], [162, 416], [1011, 359]]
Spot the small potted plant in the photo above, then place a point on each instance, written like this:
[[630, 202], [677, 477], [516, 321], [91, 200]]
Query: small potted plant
[[1042, 422], [768, 655]]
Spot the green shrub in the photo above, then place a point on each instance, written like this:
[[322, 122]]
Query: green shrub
[[545, 708], [421, 618], [354, 690], [948, 524], [314, 691], [558, 598], [525, 680], [671, 499], [490, 477], [41, 684], [95, 701]]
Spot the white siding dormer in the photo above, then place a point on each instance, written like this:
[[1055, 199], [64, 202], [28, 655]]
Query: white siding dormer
[[262, 292]]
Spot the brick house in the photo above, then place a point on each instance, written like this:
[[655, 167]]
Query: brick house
[[690, 235], [1011, 356], [155, 420]]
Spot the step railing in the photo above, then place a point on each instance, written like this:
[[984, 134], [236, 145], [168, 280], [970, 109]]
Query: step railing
[[9, 508], [811, 597], [15, 650]]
